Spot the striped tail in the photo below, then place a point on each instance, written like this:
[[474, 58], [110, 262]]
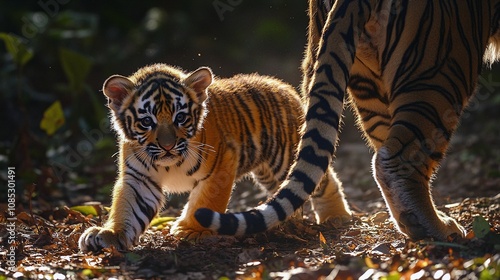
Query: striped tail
[[327, 87]]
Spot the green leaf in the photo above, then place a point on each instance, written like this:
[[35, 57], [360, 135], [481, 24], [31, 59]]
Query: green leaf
[[76, 67], [480, 226], [53, 118], [85, 209], [19, 51]]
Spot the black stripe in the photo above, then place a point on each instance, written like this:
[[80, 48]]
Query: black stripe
[[308, 155], [152, 90], [321, 110], [140, 180], [373, 127], [427, 111], [145, 208], [197, 166], [228, 224], [264, 117], [218, 157], [290, 196], [309, 184], [148, 180], [327, 69], [255, 222], [322, 143], [278, 209], [172, 89], [364, 88], [204, 216], [141, 222]]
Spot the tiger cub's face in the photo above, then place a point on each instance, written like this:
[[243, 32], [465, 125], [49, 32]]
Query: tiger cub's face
[[158, 109]]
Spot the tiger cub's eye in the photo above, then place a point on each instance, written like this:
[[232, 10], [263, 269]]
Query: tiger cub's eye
[[180, 118], [146, 121]]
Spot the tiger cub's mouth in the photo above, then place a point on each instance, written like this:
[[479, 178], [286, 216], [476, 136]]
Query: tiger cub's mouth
[[167, 158], [171, 157]]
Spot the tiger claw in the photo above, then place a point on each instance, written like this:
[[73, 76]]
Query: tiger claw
[[96, 238], [440, 229], [189, 231]]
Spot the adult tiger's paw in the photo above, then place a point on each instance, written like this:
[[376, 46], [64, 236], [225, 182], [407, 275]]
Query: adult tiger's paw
[[450, 226], [97, 238], [439, 228], [190, 230]]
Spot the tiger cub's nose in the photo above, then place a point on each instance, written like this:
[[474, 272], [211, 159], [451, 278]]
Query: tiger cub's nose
[[166, 136]]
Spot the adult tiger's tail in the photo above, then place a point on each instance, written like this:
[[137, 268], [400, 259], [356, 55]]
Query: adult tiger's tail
[[345, 22]]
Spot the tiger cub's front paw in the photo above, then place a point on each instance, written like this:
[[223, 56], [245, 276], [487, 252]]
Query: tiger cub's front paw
[[190, 230], [97, 238]]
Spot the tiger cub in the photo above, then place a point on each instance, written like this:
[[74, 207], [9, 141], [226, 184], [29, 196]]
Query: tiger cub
[[181, 132]]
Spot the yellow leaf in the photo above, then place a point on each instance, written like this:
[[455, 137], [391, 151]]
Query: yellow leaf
[[322, 239], [370, 264], [53, 118], [85, 210], [161, 221]]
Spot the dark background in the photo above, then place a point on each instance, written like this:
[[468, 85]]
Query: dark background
[[100, 38], [110, 37]]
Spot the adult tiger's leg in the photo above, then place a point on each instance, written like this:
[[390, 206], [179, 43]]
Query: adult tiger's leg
[[420, 130]]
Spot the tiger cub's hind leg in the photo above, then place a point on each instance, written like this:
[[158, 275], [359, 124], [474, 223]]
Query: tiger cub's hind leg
[[328, 200], [212, 193]]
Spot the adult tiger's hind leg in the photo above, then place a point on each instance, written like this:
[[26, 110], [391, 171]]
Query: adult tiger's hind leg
[[403, 166]]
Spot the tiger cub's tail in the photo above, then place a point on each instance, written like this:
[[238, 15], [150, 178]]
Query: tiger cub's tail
[[345, 21]]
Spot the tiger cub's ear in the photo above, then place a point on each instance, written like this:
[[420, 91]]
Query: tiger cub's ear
[[199, 80], [116, 88]]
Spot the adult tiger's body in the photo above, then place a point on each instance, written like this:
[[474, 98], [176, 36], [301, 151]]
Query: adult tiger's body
[[410, 68], [182, 133]]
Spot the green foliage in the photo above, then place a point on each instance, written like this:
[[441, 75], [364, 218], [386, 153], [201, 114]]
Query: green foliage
[[17, 49], [480, 226], [76, 67]]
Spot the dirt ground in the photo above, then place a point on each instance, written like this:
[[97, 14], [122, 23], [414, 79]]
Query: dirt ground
[[368, 247]]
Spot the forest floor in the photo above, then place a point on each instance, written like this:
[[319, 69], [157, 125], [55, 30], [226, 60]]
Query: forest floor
[[369, 247]]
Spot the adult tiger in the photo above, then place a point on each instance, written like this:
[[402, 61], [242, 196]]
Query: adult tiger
[[410, 68]]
